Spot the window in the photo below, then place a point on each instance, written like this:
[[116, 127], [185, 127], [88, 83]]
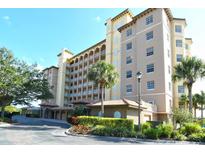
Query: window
[[149, 35], [180, 89], [149, 20], [150, 85], [178, 28], [170, 86], [150, 68], [129, 46], [178, 43], [179, 57], [129, 74], [128, 60], [150, 51], [117, 114], [129, 32], [169, 69], [129, 88]]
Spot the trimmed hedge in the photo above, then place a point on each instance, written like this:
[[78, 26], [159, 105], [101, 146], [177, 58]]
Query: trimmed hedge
[[108, 131], [108, 122]]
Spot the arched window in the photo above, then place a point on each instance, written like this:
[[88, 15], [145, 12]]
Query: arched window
[[117, 114]]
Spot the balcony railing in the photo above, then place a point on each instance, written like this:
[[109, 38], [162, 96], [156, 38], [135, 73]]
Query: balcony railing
[[103, 52]]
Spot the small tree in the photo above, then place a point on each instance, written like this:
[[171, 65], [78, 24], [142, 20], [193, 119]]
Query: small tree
[[182, 116], [188, 71], [104, 76]]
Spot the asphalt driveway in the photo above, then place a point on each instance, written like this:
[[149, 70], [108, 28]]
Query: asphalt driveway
[[18, 134]]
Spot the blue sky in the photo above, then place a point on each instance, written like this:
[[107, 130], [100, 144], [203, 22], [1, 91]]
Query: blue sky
[[38, 35]]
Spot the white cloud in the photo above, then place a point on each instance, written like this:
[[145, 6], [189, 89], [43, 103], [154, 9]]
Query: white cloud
[[40, 67], [98, 18], [7, 19]]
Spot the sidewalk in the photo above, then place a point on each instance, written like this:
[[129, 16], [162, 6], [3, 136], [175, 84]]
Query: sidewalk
[[3, 124]]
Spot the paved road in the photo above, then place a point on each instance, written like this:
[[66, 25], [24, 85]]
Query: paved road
[[28, 134], [46, 135]]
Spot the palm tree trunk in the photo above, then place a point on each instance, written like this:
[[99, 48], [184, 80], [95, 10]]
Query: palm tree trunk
[[190, 98], [202, 116], [195, 113], [102, 105]]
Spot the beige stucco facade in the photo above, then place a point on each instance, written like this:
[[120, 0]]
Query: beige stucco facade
[[158, 52]]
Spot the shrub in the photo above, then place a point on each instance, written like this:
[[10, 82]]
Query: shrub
[[165, 130], [197, 137], [108, 131], [79, 111], [180, 137], [145, 126], [5, 119], [182, 116], [152, 133], [201, 122], [73, 120], [108, 122], [80, 129], [190, 128]]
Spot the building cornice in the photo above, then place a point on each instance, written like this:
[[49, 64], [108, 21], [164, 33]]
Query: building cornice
[[126, 11], [50, 68], [145, 12], [99, 43], [65, 50]]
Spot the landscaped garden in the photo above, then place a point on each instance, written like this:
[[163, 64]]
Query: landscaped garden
[[185, 128]]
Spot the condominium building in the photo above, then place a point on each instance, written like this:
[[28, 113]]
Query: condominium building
[[152, 42]]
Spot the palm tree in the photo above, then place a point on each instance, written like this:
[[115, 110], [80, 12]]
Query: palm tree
[[202, 103], [183, 100], [188, 71], [196, 99], [104, 76]]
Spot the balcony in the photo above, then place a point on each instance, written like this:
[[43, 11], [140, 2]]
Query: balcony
[[90, 91], [103, 52], [91, 57], [96, 55], [90, 83], [84, 92], [95, 91]]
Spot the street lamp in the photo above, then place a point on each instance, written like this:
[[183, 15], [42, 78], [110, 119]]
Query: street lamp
[[139, 76]]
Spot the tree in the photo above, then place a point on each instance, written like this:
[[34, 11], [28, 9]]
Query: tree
[[182, 116], [188, 71], [196, 100], [20, 83], [183, 100], [104, 76], [202, 103]]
